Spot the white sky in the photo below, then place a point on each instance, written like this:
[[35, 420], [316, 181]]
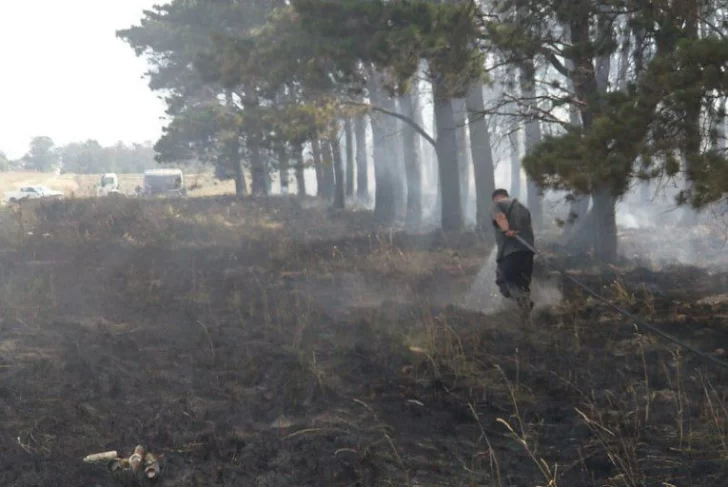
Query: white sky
[[64, 74]]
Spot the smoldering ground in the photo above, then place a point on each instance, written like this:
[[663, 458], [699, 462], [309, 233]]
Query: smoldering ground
[[259, 342]]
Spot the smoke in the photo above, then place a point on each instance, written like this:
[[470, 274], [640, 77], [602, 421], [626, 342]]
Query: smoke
[[656, 232], [346, 290], [484, 295], [546, 292]]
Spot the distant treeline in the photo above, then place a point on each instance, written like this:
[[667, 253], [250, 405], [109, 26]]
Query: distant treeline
[[88, 157]]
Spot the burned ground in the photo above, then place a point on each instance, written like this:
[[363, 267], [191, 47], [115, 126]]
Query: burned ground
[[274, 343]]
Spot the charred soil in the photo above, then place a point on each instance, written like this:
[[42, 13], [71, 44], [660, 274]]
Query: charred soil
[[273, 343]]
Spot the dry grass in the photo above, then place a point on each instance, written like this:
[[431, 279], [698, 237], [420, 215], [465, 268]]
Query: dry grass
[[273, 343]]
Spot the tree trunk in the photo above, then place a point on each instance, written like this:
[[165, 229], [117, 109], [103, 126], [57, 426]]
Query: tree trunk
[[588, 83], [236, 160], [327, 165], [720, 143], [514, 145], [645, 191], [595, 230], [234, 155], [362, 168], [693, 137], [638, 54], [578, 208], [300, 171], [318, 163], [268, 171], [447, 159], [395, 164], [579, 205], [481, 155], [349, 158], [581, 238], [338, 165], [428, 165], [385, 204], [604, 201], [260, 185], [401, 169], [464, 164], [283, 168], [605, 228], [533, 137], [412, 164], [533, 191], [384, 197]]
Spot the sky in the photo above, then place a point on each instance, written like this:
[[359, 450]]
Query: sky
[[65, 74]]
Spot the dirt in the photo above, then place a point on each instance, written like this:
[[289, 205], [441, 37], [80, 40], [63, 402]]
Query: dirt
[[275, 343]]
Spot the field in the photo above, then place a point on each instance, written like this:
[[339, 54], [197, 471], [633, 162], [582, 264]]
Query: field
[[274, 343], [84, 185]]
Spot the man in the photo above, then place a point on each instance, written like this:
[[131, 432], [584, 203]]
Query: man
[[515, 260]]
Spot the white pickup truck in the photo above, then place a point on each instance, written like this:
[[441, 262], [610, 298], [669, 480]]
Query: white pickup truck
[[32, 193]]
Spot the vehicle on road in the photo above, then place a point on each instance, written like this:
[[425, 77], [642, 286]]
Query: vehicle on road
[[108, 184], [32, 193], [164, 182]]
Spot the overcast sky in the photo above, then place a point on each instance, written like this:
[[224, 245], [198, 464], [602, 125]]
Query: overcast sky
[[64, 74]]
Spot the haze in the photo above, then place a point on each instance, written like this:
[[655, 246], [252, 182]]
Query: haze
[[67, 76]]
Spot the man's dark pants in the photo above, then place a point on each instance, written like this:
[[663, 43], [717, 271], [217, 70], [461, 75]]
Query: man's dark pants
[[513, 274]]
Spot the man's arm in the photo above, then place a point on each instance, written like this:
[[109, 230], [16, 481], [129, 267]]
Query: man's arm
[[502, 221]]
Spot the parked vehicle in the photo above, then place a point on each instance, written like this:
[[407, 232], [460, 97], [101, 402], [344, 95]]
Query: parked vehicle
[[108, 184], [32, 193], [167, 182]]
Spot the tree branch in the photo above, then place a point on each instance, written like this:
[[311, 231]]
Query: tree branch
[[558, 65], [405, 119]]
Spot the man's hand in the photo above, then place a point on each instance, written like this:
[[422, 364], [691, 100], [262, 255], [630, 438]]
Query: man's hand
[[510, 233]]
